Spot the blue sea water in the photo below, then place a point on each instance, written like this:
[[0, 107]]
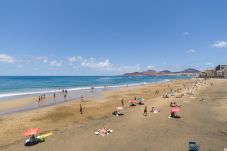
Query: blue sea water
[[20, 85]]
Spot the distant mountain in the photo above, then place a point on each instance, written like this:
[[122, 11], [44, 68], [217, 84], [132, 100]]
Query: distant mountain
[[189, 71], [149, 72], [165, 72]]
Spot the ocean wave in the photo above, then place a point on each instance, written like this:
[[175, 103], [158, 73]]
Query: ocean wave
[[14, 94]]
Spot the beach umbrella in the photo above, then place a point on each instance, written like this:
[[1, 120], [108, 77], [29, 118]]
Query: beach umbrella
[[32, 131], [132, 101], [140, 99], [175, 109]]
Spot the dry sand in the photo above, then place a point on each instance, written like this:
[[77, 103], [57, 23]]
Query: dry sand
[[201, 121]]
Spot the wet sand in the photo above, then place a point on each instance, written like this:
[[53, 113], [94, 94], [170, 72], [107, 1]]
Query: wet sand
[[201, 121]]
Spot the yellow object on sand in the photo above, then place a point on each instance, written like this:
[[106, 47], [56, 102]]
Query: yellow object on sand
[[46, 135]]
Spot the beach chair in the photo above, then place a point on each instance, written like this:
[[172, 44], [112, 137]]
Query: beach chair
[[193, 146]]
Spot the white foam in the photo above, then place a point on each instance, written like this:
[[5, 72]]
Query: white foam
[[77, 89]]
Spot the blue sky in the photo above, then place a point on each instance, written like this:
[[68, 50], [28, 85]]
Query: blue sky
[[109, 37]]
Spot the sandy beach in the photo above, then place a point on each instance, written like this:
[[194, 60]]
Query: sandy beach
[[203, 119]]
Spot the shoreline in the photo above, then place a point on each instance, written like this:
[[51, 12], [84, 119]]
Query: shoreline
[[22, 94], [29, 102]]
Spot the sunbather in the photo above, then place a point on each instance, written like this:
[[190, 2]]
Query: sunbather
[[153, 110]]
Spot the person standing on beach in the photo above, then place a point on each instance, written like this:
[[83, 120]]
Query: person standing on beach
[[145, 111], [92, 89], [81, 109], [65, 95], [54, 96], [122, 102]]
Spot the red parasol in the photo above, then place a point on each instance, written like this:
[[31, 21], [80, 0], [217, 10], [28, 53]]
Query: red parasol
[[175, 109], [132, 101], [32, 131]]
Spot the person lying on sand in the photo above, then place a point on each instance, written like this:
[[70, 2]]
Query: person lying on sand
[[103, 131], [173, 115], [153, 110], [166, 95], [180, 96], [132, 104]]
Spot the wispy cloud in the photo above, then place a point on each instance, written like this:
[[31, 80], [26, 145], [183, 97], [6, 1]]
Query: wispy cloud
[[56, 63], [44, 59], [220, 44], [150, 67], [185, 33], [210, 64], [74, 59], [94, 64], [4, 58], [100, 64], [191, 51]]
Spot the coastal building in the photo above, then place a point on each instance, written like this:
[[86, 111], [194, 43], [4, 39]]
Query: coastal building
[[219, 72], [225, 72], [210, 73]]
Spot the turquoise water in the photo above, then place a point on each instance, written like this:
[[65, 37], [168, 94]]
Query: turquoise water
[[21, 85]]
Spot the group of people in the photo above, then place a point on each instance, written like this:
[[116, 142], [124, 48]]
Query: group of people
[[153, 110], [41, 97]]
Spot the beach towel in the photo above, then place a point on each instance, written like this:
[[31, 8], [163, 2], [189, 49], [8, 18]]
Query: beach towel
[[104, 133]]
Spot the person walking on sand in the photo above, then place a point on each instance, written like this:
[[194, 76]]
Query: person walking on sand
[[65, 96], [122, 102], [145, 111], [54, 96], [81, 109]]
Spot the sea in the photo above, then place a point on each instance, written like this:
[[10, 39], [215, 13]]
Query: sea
[[29, 85]]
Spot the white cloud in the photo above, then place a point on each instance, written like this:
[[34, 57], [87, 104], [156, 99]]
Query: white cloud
[[150, 67], [191, 51], [74, 59], [185, 33], [210, 64], [100, 64], [44, 59], [94, 64], [6, 58], [56, 63], [124, 69], [220, 44]]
